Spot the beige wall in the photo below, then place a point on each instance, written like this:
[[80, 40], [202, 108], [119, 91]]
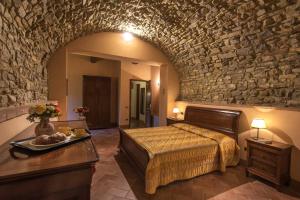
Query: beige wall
[[164, 101], [283, 126], [173, 88], [78, 66], [12, 127], [155, 78], [112, 43], [57, 80]]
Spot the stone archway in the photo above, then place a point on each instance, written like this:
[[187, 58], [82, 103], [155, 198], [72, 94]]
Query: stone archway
[[225, 51], [111, 45]]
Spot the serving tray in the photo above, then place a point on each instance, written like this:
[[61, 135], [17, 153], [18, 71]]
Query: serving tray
[[27, 143]]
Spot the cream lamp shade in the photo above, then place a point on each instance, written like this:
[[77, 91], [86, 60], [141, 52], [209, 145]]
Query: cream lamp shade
[[176, 110], [258, 123]]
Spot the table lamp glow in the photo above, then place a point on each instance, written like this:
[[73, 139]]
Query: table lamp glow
[[176, 111], [258, 123]]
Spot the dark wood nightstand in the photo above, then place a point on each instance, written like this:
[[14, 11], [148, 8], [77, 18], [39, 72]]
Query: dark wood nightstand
[[269, 161], [171, 120]]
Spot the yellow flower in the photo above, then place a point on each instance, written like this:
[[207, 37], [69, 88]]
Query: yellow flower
[[40, 109]]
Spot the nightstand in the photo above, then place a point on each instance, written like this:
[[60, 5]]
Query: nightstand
[[171, 120], [269, 161]]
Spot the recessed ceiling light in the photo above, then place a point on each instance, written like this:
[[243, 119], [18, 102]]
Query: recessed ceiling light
[[127, 36]]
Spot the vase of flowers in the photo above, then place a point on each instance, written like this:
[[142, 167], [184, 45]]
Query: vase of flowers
[[81, 111], [43, 112]]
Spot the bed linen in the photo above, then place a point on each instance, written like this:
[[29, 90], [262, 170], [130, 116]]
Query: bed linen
[[182, 151]]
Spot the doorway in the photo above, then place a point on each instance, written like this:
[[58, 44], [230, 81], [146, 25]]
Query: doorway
[[140, 104], [97, 97]]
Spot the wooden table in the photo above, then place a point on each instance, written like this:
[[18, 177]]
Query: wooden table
[[64, 173]]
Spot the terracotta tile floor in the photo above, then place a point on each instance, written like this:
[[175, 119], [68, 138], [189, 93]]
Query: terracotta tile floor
[[115, 179]]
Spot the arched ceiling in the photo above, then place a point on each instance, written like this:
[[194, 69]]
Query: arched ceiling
[[170, 25], [201, 38]]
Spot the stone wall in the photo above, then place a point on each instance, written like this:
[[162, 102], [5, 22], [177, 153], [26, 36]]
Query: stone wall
[[228, 51], [247, 54]]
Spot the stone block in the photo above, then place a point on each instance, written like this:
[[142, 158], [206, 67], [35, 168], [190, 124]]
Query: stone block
[[296, 70], [297, 83], [260, 12], [232, 86], [227, 55], [243, 51]]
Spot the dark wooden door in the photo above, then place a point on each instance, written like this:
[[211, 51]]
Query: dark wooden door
[[97, 97]]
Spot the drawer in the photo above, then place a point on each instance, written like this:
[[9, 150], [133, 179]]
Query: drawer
[[263, 155], [265, 168]]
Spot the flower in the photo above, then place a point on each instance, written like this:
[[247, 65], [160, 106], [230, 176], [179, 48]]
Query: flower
[[57, 109], [43, 111], [50, 107], [81, 110], [40, 109]]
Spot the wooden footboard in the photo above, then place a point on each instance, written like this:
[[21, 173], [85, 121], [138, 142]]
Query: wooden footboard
[[136, 154]]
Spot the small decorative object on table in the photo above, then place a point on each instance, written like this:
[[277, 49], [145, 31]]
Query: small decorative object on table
[[43, 112], [81, 112]]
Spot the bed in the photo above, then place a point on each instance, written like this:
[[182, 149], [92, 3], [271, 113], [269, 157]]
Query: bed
[[205, 142]]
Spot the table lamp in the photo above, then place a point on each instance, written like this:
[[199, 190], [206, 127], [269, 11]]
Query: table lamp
[[258, 123], [176, 111]]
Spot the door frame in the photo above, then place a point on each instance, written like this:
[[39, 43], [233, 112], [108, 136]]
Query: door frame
[[129, 107], [137, 102]]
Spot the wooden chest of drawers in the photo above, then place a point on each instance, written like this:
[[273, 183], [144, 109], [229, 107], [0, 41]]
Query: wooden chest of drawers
[[269, 161]]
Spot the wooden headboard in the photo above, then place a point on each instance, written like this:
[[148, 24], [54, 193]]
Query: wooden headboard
[[221, 120]]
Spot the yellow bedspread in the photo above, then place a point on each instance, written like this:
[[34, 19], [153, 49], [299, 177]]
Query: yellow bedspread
[[182, 151]]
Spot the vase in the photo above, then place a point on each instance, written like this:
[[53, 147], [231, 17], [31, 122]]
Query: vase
[[44, 127], [81, 116]]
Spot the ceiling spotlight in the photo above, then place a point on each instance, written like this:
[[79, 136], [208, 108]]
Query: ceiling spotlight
[[127, 36]]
